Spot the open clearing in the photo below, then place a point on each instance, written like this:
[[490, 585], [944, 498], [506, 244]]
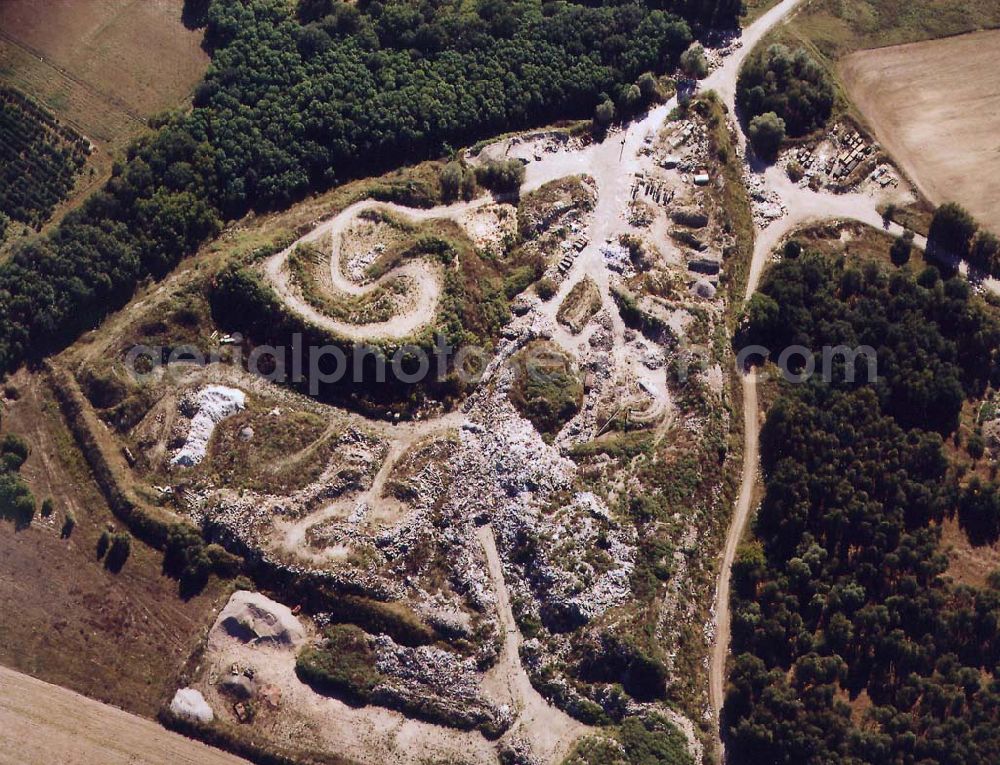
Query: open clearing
[[42, 723], [935, 106]]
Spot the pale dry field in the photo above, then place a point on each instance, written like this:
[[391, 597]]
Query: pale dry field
[[936, 107], [42, 724], [138, 56]]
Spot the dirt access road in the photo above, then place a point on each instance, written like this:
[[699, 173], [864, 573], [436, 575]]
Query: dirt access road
[[42, 724], [551, 731], [803, 206], [935, 106]]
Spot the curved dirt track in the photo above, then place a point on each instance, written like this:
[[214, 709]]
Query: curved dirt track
[[401, 437], [41, 724], [422, 273], [741, 515]]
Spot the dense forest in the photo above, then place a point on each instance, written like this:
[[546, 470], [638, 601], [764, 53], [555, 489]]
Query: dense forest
[[850, 646], [298, 99]]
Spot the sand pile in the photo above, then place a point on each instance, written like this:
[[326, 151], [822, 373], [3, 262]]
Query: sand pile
[[253, 618]]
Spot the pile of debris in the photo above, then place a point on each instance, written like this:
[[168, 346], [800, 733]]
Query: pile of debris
[[254, 618], [437, 685], [206, 408], [356, 267], [687, 147], [766, 205], [837, 160]]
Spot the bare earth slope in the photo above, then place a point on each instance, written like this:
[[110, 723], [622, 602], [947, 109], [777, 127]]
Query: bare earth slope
[[936, 106], [42, 724]]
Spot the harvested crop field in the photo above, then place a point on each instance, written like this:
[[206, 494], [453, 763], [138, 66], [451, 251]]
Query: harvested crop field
[[42, 724], [936, 106], [136, 57]]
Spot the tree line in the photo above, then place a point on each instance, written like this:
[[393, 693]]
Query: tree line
[[954, 235]]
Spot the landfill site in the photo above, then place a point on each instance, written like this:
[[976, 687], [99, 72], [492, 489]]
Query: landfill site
[[490, 570], [500, 563], [447, 578]]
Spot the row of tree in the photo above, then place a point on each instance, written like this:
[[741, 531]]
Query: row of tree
[[39, 160], [17, 503]]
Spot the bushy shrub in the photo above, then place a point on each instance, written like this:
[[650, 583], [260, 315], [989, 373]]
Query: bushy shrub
[[457, 180], [69, 523], [14, 450], [343, 664], [118, 552], [653, 740], [546, 389], [16, 501], [901, 248], [951, 232], [604, 114], [502, 176], [766, 133], [792, 85], [546, 288], [693, 61], [103, 543]]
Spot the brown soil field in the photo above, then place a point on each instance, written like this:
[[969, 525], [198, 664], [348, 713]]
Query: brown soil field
[[42, 724], [137, 55], [936, 106], [120, 638], [102, 66]]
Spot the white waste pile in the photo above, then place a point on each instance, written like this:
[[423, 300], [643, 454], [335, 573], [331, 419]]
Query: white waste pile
[[357, 266], [508, 475], [189, 704], [445, 615], [212, 405], [766, 204], [579, 528], [507, 454], [617, 258]]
